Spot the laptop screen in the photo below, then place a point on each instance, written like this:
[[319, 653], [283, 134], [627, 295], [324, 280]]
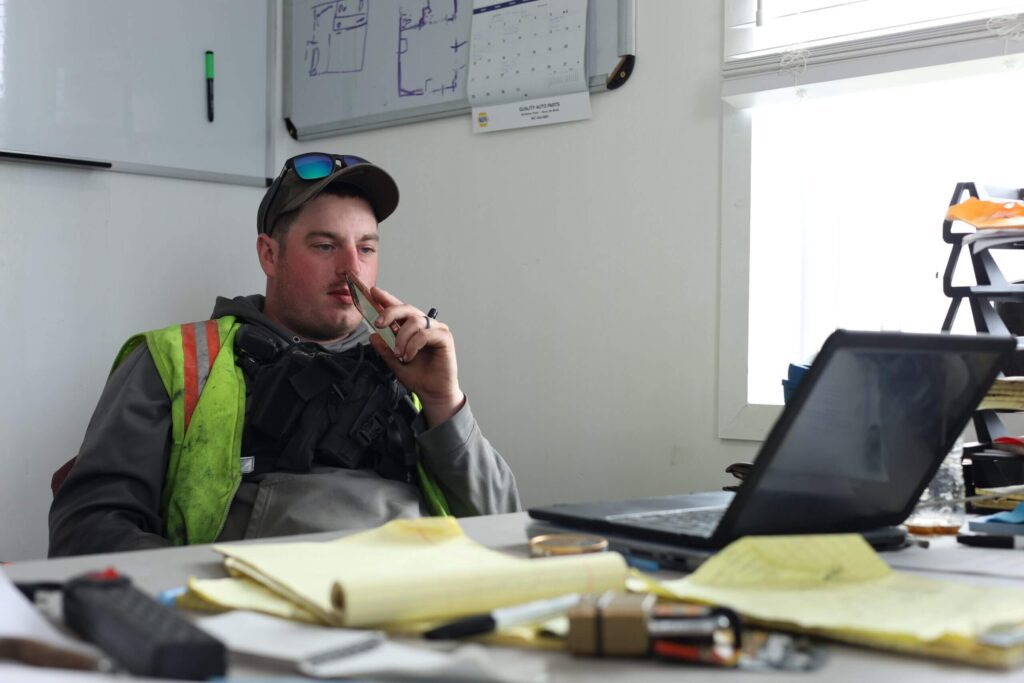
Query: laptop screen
[[862, 439]]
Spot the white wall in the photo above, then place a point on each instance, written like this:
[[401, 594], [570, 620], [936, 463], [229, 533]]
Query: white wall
[[576, 263]]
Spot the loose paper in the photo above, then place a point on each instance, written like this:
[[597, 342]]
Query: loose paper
[[21, 621], [838, 583], [323, 652]]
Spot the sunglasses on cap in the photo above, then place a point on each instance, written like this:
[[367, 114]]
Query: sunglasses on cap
[[317, 165], [310, 166]]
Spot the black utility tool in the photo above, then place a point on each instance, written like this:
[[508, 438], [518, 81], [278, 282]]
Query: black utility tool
[[140, 634]]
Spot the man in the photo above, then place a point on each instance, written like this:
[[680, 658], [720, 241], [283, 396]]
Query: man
[[286, 413]]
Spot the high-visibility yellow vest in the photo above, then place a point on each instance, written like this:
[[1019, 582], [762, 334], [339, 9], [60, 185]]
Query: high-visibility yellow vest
[[196, 362]]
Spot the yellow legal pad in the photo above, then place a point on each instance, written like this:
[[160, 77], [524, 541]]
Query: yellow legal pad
[[1006, 393], [1003, 497], [406, 571], [838, 587]]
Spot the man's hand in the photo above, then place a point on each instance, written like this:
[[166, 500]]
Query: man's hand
[[424, 358]]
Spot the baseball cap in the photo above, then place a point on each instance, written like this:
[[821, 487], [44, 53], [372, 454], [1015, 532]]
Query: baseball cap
[[305, 176]]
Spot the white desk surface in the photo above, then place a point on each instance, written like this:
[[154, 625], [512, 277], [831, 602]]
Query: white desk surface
[[157, 570]]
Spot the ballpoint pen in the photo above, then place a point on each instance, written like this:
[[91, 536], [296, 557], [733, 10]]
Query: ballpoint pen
[[505, 616]]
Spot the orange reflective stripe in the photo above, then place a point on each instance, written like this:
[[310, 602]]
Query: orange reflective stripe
[[188, 347], [200, 343]]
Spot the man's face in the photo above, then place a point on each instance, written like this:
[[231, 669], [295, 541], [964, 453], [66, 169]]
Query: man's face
[[306, 288]]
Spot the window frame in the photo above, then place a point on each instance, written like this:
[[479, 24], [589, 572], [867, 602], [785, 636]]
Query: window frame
[[744, 40]]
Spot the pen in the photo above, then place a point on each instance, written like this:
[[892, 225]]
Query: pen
[[209, 86], [505, 616], [991, 541]]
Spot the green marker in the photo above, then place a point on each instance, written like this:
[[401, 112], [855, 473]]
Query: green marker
[[209, 86]]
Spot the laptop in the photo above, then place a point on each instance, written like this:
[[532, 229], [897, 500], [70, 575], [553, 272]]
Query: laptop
[[852, 452]]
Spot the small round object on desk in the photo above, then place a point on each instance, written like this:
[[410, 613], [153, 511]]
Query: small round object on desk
[[552, 545]]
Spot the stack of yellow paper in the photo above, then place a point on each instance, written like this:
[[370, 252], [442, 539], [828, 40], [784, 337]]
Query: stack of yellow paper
[[836, 586], [407, 571], [1002, 497], [1006, 393]]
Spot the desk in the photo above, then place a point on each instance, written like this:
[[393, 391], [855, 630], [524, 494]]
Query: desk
[[156, 570]]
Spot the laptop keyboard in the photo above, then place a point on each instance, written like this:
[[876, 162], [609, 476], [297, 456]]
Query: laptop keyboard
[[693, 521]]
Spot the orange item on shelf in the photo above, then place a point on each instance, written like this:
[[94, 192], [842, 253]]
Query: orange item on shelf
[[985, 215]]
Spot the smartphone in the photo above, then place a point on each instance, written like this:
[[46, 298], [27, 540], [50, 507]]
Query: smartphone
[[370, 309]]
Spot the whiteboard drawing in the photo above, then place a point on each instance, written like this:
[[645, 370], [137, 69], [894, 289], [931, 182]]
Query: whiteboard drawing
[[433, 52], [338, 43]]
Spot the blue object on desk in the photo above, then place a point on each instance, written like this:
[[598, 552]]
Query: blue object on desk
[[169, 596], [642, 563], [795, 373], [1015, 516], [1006, 524]]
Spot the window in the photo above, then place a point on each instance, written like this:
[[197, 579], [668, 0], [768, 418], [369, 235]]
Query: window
[[837, 166], [767, 27]]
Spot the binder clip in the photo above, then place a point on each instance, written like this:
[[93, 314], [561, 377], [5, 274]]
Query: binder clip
[[616, 625]]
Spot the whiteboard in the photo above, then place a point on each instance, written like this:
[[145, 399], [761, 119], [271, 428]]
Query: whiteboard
[[352, 65], [121, 84]]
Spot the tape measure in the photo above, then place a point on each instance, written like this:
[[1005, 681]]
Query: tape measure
[[552, 545]]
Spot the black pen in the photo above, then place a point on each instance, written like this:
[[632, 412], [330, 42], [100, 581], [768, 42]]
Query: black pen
[[209, 86], [538, 610], [1015, 542]]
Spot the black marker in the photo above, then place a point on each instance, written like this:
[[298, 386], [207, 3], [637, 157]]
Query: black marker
[[1015, 542], [209, 86]]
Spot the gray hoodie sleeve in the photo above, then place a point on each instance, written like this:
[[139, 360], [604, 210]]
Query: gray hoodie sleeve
[[475, 478], [111, 499]]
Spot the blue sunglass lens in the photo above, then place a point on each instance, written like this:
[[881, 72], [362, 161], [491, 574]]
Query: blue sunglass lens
[[350, 160], [313, 166]]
